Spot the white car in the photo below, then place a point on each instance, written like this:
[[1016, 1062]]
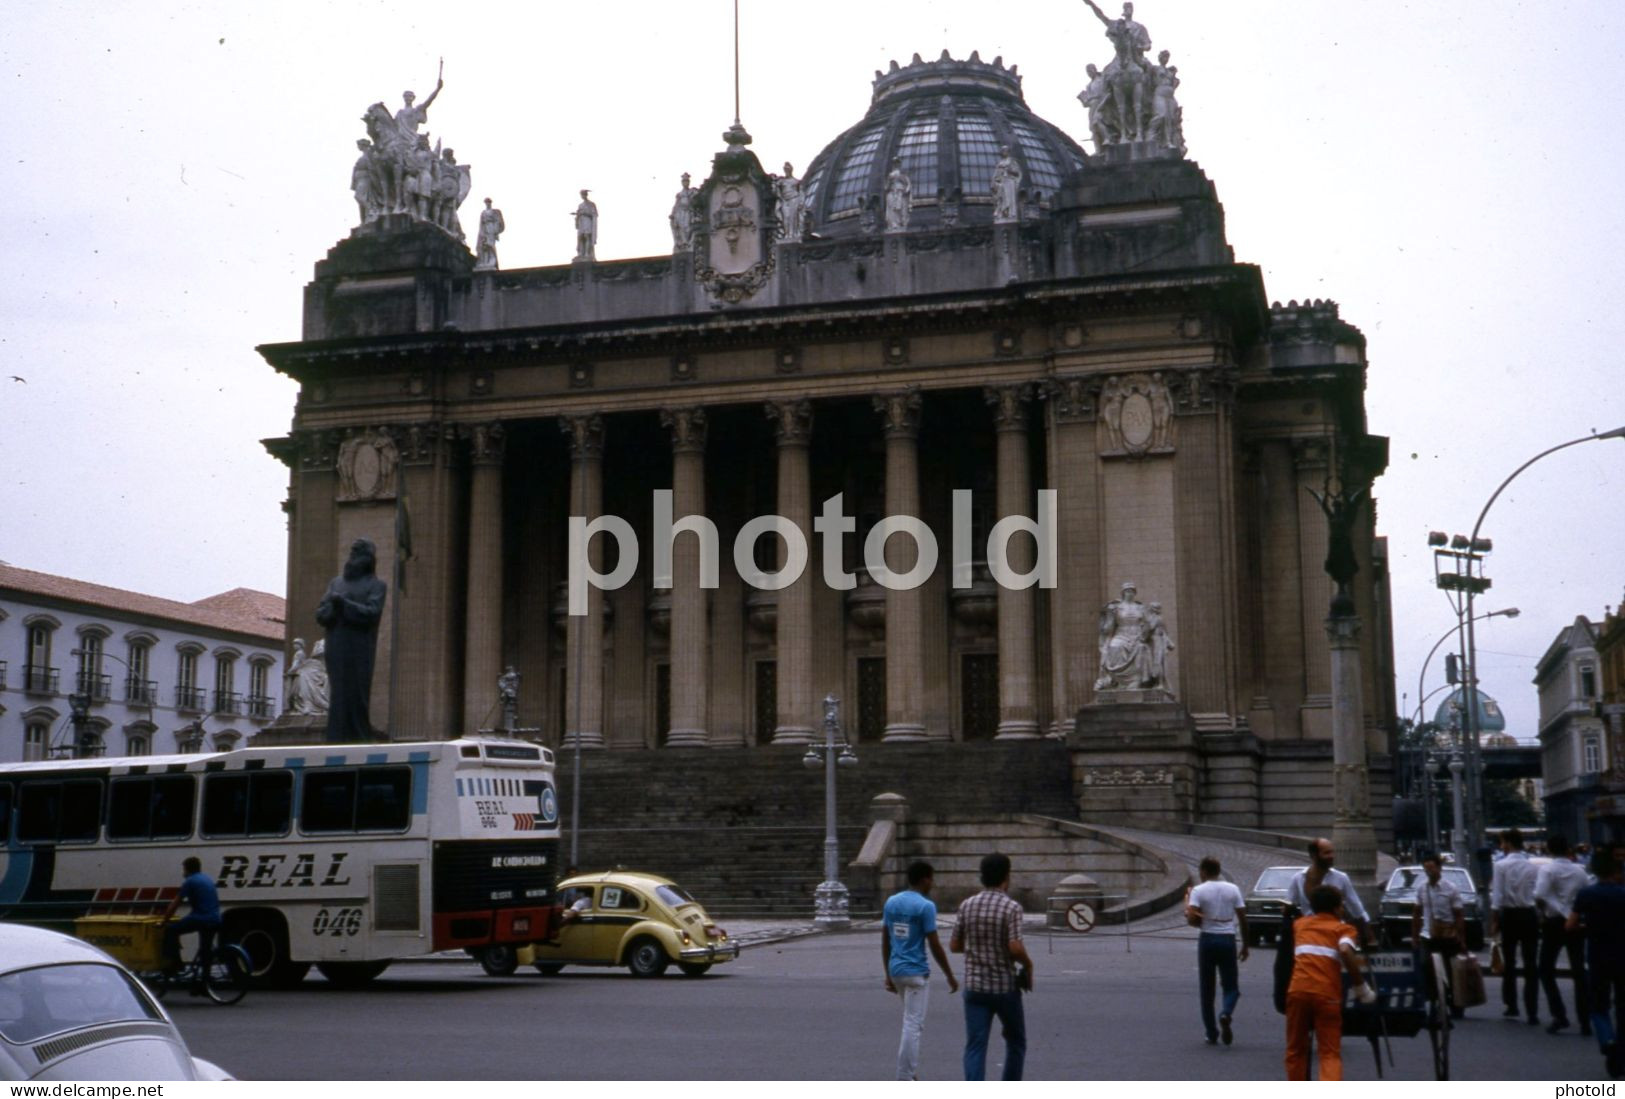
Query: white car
[[70, 1012]]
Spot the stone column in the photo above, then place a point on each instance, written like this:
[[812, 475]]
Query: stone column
[[1075, 603], [482, 652], [584, 638], [1018, 711], [690, 621], [1309, 460], [792, 425], [1352, 832], [905, 672]]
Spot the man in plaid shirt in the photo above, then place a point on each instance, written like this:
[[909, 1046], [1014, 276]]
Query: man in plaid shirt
[[988, 933]]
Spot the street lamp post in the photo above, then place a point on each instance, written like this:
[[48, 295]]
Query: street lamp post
[[1474, 546], [1431, 767], [1458, 835], [832, 901]]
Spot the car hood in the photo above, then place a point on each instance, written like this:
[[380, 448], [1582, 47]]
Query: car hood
[[132, 1059]]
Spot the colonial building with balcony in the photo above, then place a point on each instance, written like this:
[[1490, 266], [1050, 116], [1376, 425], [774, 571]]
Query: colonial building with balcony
[[153, 675], [1575, 756], [959, 316]]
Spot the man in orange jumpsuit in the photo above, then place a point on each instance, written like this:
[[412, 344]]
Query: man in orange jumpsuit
[[1322, 946]]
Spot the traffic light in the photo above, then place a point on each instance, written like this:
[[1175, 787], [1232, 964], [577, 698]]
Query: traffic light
[[1452, 668]]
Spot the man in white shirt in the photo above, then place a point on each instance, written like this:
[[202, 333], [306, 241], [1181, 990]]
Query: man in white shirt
[[1217, 907], [1512, 914], [1556, 884], [1439, 919], [1321, 871]]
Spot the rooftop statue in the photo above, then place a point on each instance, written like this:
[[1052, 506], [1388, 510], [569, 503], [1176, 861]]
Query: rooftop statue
[[398, 172], [491, 227], [586, 216], [682, 217], [899, 197], [793, 211], [1132, 101], [1006, 188]]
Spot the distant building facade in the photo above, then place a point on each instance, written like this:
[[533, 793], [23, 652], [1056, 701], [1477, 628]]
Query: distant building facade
[[1609, 809], [158, 676], [891, 329], [1575, 757]]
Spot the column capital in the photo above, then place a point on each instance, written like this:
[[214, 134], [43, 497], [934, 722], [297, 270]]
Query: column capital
[[1311, 453], [1343, 631], [419, 444], [314, 449], [1009, 405], [901, 412], [486, 442], [585, 435], [792, 421], [687, 427]]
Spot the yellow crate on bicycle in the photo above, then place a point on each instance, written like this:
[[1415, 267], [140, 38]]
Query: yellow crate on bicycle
[[137, 941]]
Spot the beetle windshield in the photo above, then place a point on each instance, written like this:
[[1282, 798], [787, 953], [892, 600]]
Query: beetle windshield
[[54, 998]]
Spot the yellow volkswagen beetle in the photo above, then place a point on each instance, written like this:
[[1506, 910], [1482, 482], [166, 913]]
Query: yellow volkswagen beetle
[[637, 920]]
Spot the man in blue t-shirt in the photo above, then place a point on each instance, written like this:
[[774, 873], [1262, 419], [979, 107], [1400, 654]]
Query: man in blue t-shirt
[[908, 923], [197, 890], [1600, 911]]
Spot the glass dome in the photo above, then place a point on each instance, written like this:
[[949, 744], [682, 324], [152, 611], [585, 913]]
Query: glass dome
[[1450, 712], [947, 120]]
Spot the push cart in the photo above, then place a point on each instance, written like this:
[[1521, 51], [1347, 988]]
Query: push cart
[[1408, 1002]]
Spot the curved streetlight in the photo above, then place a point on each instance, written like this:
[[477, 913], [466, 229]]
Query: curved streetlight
[[1421, 678], [1470, 673]]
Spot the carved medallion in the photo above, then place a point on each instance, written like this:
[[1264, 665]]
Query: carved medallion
[[1136, 416], [366, 467]]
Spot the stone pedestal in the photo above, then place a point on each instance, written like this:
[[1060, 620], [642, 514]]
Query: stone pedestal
[[1352, 832], [1135, 759], [291, 729]]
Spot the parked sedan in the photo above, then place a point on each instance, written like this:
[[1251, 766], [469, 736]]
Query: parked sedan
[[70, 1012], [1266, 901], [1399, 898], [640, 921]]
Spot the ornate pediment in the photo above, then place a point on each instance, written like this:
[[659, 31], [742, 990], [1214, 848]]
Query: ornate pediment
[[733, 236]]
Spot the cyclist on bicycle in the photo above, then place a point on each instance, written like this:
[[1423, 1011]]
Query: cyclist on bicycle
[[197, 890]]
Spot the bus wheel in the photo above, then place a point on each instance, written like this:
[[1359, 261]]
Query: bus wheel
[[549, 969], [264, 939], [499, 961], [351, 974], [647, 958]]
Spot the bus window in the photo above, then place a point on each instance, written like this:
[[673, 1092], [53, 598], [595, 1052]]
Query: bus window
[[5, 811], [270, 803], [329, 802], [39, 810], [82, 810], [225, 805], [384, 799], [173, 797], [129, 809]]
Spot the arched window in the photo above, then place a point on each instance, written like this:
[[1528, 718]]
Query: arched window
[[139, 687], [138, 738], [39, 676], [225, 740], [36, 740], [90, 681], [226, 699], [188, 695], [260, 703]]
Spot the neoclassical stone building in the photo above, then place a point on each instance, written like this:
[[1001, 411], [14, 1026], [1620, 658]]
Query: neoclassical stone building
[[1014, 315]]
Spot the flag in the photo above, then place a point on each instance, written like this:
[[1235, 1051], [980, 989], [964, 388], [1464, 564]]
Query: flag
[[403, 540]]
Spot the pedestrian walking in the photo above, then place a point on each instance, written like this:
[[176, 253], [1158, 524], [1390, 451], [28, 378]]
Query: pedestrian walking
[[1217, 907], [1556, 885], [998, 970], [1439, 923], [1324, 945], [908, 924], [1512, 916], [1599, 911]]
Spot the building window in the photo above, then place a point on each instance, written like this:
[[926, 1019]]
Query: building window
[[138, 686], [1592, 754], [259, 694], [188, 696], [137, 744], [225, 676], [38, 675], [36, 739], [1588, 682], [90, 680]]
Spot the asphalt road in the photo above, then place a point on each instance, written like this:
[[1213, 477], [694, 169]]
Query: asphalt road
[[808, 1009]]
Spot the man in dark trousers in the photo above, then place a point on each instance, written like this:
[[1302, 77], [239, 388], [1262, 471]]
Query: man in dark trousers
[[1512, 915], [350, 612], [1599, 910], [988, 933], [1556, 886], [198, 891]]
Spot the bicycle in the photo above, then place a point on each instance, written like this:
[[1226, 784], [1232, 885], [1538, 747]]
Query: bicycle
[[222, 974]]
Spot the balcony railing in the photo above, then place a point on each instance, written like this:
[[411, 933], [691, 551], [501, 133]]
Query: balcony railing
[[40, 680], [189, 698], [142, 692], [228, 702], [259, 706], [94, 686]]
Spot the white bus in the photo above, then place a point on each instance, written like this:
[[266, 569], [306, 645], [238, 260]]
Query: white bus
[[341, 856]]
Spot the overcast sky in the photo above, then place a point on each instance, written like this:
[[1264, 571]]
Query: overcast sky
[[1449, 172]]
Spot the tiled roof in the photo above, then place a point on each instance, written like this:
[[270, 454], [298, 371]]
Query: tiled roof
[[241, 610]]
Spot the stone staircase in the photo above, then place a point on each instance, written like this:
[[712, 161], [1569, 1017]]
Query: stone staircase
[[743, 829]]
